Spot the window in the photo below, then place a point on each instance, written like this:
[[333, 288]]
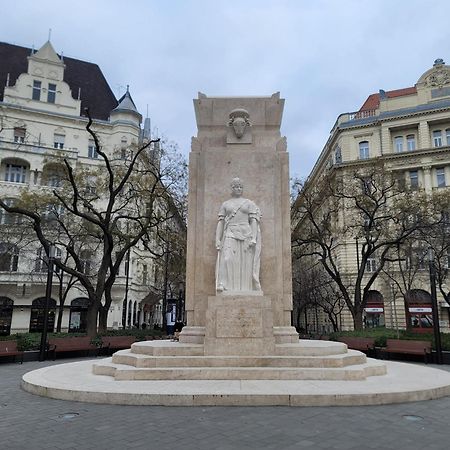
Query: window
[[54, 180], [437, 138], [52, 212], [91, 185], [36, 90], [364, 150], [440, 177], [51, 93], [85, 261], [338, 155], [41, 263], [398, 143], [9, 257], [367, 185], [144, 274], [371, 264], [411, 142], [92, 151], [58, 141], [15, 173], [7, 218], [400, 181], [19, 135], [413, 179], [447, 135]]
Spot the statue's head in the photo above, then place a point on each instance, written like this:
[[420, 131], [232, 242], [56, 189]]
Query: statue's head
[[236, 187], [239, 120]]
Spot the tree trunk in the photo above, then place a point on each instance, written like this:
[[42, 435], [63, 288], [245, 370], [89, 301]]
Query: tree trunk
[[91, 320], [60, 316], [103, 319], [358, 319]]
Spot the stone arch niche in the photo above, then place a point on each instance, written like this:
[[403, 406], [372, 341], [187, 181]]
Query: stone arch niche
[[418, 309]]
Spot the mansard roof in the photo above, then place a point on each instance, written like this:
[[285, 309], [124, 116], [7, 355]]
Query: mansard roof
[[81, 76]]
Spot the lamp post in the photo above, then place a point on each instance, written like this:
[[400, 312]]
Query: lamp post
[[180, 306], [434, 305], [394, 307], [48, 294]]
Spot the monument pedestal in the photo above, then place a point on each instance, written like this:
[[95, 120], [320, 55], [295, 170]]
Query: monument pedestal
[[239, 325]]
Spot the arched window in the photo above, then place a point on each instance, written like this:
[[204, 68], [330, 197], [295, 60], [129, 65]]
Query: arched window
[[6, 312], [374, 309], [364, 150], [38, 314], [419, 317], [78, 315]]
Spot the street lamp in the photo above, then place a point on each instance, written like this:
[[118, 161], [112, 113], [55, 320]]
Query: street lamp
[[48, 294], [437, 331]]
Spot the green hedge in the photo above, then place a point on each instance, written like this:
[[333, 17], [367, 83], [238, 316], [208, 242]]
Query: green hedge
[[32, 341], [382, 334]]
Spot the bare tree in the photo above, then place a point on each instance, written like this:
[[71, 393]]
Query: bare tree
[[364, 209], [98, 213]]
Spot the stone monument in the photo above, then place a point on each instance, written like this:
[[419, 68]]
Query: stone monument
[[238, 347], [238, 292]]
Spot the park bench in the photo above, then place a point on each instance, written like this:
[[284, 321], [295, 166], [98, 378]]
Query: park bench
[[71, 344], [363, 344], [113, 343], [9, 348], [421, 348]]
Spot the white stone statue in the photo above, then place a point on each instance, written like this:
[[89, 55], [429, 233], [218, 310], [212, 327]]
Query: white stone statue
[[238, 241]]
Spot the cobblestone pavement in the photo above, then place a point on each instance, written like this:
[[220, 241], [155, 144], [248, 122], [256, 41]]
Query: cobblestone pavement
[[35, 423]]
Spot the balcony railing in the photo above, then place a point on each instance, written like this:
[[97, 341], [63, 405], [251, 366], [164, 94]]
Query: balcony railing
[[24, 147], [362, 114]]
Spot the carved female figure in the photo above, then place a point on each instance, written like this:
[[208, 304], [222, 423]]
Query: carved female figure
[[238, 241]]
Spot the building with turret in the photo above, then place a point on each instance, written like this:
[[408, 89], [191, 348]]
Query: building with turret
[[44, 99]]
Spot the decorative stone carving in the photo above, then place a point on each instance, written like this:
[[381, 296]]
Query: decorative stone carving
[[239, 120], [439, 77], [238, 241]]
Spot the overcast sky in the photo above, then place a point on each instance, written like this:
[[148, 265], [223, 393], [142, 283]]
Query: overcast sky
[[324, 56]]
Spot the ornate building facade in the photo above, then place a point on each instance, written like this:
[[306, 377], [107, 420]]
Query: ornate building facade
[[43, 97], [406, 133]]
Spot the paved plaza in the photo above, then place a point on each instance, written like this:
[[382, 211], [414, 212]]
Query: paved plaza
[[34, 423]]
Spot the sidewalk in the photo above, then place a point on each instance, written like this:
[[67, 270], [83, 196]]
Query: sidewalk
[[37, 423]]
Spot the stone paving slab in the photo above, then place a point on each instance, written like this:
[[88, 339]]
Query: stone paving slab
[[37, 423]]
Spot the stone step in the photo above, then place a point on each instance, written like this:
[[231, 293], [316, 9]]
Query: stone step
[[140, 360], [166, 348], [355, 372], [311, 348]]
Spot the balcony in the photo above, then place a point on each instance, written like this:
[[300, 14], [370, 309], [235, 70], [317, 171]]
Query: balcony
[[23, 148]]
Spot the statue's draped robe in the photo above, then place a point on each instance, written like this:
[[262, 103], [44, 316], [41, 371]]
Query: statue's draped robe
[[238, 261]]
